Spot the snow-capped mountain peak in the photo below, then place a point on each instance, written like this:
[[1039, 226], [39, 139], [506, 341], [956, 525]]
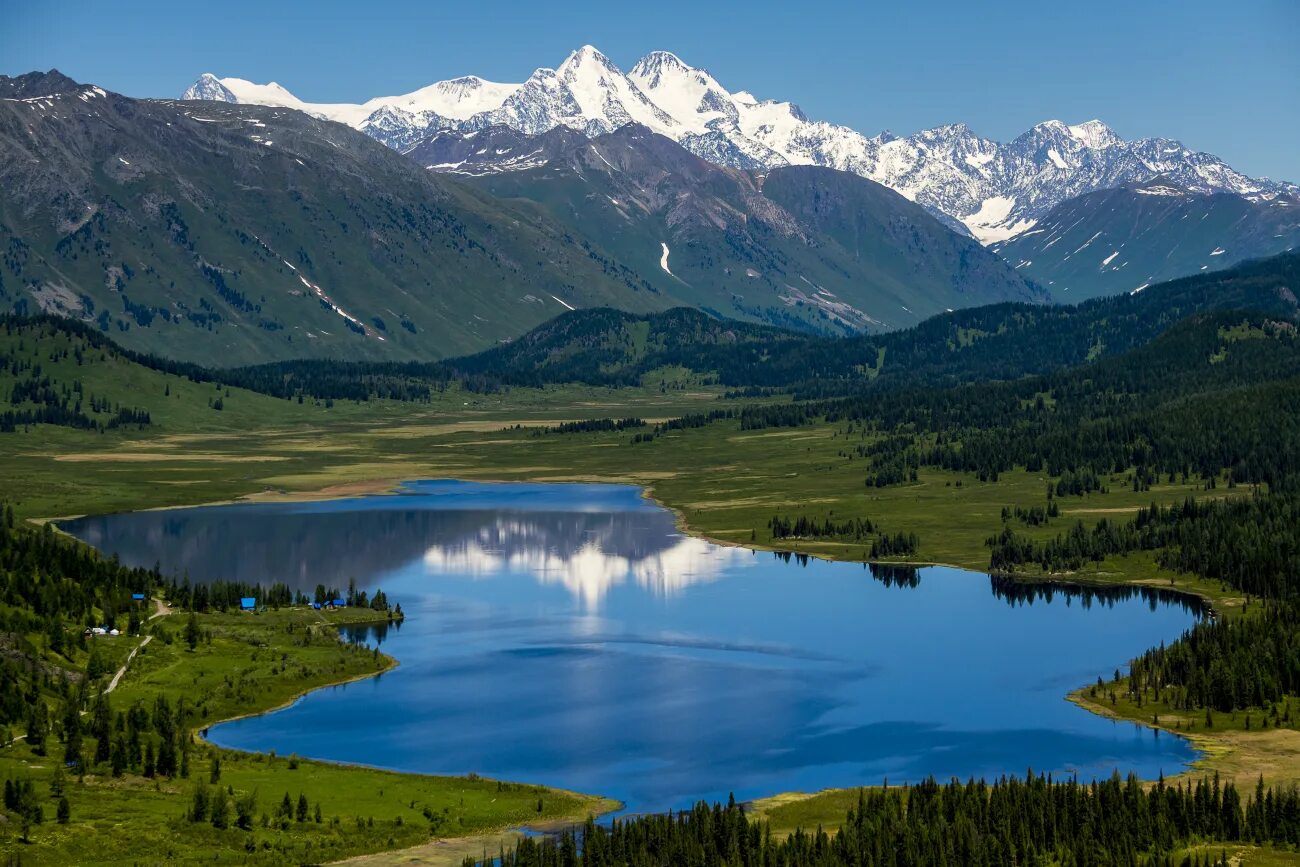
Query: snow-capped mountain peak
[[459, 98], [691, 96], [656, 63], [1095, 134], [1050, 127], [209, 87], [605, 96], [992, 190], [587, 56], [586, 92]]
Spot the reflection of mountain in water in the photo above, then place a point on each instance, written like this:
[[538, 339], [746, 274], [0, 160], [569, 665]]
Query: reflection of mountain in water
[[303, 546], [587, 551], [609, 551]]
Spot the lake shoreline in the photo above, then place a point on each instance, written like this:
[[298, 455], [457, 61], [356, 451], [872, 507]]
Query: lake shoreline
[[451, 850], [646, 490]]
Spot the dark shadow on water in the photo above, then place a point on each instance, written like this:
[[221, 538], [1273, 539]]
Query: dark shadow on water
[[1016, 592]]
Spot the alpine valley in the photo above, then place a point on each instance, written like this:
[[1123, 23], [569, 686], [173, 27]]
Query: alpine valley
[[243, 225], [615, 469]]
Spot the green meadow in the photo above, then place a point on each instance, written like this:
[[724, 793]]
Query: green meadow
[[723, 483], [249, 663]]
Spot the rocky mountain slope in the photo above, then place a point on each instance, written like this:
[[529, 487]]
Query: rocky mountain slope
[[801, 246], [995, 190], [1125, 239], [229, 233]]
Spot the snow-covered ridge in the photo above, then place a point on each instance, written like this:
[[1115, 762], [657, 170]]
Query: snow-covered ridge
[[996, 190], [457, 99]]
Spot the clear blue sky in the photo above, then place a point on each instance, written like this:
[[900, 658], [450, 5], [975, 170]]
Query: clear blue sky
[[1222, 76]]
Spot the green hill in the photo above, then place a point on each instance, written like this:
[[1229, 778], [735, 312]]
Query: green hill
[[60, 371], [53, 371], [999, 341]]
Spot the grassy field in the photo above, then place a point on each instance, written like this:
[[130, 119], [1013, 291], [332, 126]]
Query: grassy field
[[55, 471], [723, 483], [137, 820], [247, 663]]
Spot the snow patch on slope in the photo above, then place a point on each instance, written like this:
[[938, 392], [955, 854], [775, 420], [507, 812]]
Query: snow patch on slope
[[993, 221]]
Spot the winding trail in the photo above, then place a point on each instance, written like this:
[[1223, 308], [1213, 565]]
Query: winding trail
[[161, 609], [112, 684]]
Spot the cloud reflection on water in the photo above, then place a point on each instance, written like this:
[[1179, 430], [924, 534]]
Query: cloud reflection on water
[[587, 569]]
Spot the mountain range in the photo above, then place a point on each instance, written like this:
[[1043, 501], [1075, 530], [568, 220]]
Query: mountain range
[[993, 190], [235, 233], [795, 242], [242, 225], [238, 233]]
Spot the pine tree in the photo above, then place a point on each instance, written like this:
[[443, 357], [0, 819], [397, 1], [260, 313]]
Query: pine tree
[[38, 726], [219, 808]]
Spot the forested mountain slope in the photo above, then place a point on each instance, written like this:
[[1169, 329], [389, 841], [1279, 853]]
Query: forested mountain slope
[[62, 372], [1001, 341], [601, 346]]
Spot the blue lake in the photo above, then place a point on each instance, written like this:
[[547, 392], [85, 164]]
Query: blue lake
[[570, 635]]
